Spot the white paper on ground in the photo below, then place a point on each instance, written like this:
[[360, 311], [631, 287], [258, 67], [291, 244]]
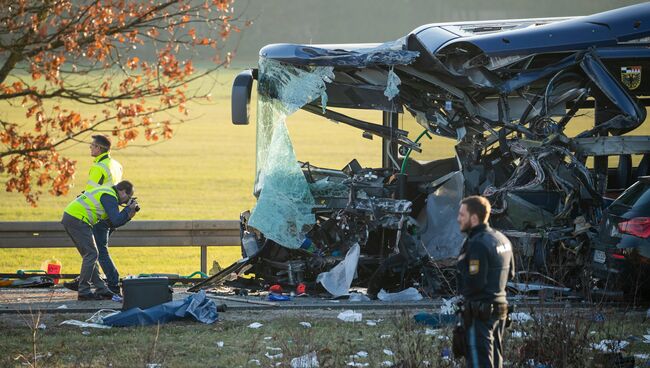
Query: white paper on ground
[[306, 361], [74, 322], [337, 281], [350, 316], [407, 295]]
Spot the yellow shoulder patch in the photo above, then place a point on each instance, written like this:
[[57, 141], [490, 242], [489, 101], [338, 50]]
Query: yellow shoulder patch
[[473, 266]]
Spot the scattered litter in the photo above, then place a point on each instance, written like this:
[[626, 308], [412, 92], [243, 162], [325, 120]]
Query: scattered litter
[[435, 320], [305, 324], [273, 349], [306, 361], [337, 281], [371, 323], [599, 317], [612, 346], [99, 316], [116, 298], [301, 289], [277, 289], [646, 339], [384, 337], [74, 322], [220, 344], [361, 354], [358, 297], [429, 331], [266, 337], [41, 326], [644, 357], [350, 316], [255, 325], [357, 364], [443, 337], [62, 306], [278, 297], [518, 334], [445, 354], [521, 317], [449, 305], [530, 287], [335, 301], [85, 332], [407, 295], [388, 352], [154, 365], [255, 361], [275, 356], [386, 363]]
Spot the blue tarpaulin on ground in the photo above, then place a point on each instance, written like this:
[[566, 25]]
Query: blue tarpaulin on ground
[[196, 306]]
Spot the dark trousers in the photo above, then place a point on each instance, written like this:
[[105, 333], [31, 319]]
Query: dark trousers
[[484, 342], [82, 235], [101, 232]]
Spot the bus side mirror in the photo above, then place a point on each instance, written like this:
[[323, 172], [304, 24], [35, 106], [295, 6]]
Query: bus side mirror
[[241, 97]]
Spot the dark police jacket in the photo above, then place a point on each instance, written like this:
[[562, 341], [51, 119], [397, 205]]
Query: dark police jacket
[[485, 265]]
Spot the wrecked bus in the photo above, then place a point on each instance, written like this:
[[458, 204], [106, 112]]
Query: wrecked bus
[[505, 91]]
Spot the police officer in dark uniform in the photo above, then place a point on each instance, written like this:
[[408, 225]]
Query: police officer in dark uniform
[[485, 265]]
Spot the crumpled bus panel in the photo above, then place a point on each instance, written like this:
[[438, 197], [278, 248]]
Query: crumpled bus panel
[[508, 92]]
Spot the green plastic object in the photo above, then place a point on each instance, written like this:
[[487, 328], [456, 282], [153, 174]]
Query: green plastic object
[[408, 153], [196, 273], [23, 272]]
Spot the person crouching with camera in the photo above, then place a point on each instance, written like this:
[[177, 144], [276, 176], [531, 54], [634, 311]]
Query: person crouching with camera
[[485, 265], [79, 217]]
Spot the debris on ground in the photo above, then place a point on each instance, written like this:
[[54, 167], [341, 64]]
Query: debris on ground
[[350, 316]]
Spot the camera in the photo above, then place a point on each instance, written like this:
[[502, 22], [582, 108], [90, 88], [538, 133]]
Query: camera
[[133, 201]]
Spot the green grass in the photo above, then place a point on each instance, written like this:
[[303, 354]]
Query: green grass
[[205, 172], [229, 343]]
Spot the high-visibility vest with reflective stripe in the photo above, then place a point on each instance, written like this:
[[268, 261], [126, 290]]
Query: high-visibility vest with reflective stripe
[[107, 168], [88, 207]]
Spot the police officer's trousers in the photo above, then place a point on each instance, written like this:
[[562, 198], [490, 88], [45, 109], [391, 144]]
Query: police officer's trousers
[[484, 342]]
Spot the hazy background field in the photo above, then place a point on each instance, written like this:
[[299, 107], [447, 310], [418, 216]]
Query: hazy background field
[[206, 170]]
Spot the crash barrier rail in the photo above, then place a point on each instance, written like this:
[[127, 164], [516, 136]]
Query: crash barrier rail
[[194, 233]]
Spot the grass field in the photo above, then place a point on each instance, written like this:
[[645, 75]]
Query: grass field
[[205, 172], [391, 339]]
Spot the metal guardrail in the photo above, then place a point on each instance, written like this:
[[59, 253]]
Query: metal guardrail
[[194, 233]]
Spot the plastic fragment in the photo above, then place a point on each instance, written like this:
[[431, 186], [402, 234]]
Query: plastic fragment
[[275, 356], [521, 317], [608, 346], [407, 295], [337, 281], [392, 85], [255, 325], [350, 316], [305, 361]]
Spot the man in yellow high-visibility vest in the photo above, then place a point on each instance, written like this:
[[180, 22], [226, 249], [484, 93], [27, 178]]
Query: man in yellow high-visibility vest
[[105, 171], [79, 217]]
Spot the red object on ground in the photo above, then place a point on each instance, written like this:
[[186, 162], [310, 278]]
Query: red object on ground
[[54, 269], [301, 288], [276, 289]]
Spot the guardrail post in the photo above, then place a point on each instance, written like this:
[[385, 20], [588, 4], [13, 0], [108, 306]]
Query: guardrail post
[[204, 259]]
